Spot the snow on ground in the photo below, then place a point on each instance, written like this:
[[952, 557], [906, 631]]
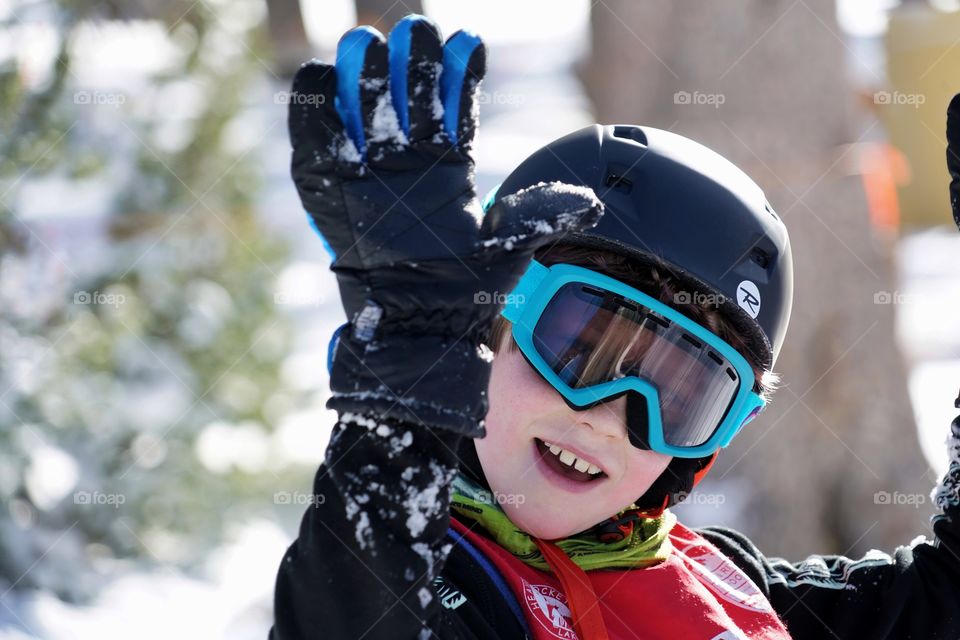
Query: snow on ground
[[928, 328], [234, 601]]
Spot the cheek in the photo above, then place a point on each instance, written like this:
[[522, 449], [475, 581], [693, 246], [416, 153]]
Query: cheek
[[518, 398], [643, 467]]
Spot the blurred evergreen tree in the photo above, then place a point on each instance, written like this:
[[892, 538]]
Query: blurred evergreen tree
[[127, 332]]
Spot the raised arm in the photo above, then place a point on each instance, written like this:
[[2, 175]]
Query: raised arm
[[381, 159]]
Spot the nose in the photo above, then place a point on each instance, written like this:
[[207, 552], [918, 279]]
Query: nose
[[606, 418]]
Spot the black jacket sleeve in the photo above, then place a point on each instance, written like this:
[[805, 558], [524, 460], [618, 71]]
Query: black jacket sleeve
[[375, 537], [915, 593], [372, 543]]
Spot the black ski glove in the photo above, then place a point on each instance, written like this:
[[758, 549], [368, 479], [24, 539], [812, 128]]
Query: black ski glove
[[381, 159]]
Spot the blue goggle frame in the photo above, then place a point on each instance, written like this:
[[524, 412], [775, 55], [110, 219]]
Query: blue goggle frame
[[536, 289]]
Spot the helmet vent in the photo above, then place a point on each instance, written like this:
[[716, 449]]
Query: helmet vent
[[630, 133], [618, 182], [766, 205], [761, 257]]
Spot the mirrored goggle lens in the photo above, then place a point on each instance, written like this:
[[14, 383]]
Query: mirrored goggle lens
[[589, 336]]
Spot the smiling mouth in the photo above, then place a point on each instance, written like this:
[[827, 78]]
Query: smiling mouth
[[565, 463]]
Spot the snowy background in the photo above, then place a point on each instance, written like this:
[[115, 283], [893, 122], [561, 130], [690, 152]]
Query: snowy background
[[205, 567]]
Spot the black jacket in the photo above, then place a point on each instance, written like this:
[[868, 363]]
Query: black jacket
[[375, 560]]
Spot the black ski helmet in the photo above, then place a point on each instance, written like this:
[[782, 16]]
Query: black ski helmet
[[672, 200]]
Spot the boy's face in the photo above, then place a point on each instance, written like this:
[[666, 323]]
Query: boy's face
[[538, 492]]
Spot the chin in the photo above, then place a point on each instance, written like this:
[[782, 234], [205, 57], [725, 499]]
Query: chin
[[544, 526]]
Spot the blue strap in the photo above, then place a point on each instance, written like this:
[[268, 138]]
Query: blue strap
[[494, 576], [323, 239], [456, 55], [332, 346]]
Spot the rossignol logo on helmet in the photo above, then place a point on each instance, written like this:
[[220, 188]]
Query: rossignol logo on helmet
[[748, 297]]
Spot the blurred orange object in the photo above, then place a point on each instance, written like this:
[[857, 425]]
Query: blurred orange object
[[883, 168]]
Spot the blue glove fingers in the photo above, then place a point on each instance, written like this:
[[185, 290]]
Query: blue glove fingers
[[415, 63], [399, 45], [353, 52], [464, 64]]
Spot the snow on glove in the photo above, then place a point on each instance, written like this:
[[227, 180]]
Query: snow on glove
[[381, 159]]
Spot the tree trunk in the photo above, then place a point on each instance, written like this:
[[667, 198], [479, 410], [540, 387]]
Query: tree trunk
[[383, 14], [288, 38]]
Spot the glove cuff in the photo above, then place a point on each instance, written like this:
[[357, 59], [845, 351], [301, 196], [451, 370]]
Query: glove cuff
[[431, 380]]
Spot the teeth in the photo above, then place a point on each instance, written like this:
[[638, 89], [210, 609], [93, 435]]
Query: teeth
[[572, 460]]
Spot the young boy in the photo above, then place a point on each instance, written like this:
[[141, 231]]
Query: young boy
[[647, 287]]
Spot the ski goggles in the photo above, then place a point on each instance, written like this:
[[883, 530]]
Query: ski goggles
[[594, 339]]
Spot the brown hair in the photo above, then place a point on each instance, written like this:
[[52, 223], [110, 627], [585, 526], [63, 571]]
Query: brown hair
[[660, 282]]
